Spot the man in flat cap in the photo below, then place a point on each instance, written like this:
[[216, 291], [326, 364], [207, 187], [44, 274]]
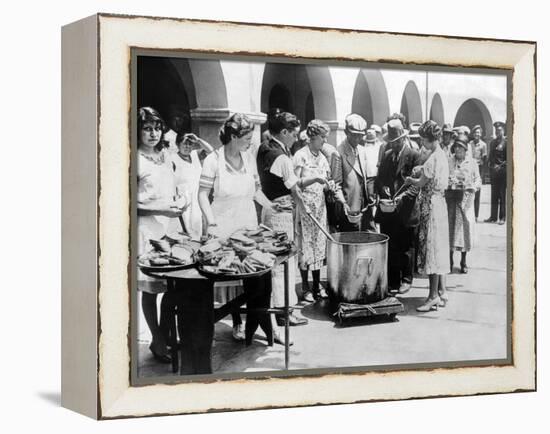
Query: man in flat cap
[[478, 149], [397, 164], [497, 169], [352, 174]]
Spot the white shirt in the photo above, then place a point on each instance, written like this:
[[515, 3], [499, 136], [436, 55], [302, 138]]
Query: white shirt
[[170, 136], [284, 168], [372, 151]]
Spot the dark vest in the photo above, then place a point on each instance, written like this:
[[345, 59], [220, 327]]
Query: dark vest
[[272, 186]]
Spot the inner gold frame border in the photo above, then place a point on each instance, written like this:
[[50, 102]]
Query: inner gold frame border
[[117, 35]]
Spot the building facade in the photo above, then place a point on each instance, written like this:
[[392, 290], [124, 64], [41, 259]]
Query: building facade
[[208, 91]]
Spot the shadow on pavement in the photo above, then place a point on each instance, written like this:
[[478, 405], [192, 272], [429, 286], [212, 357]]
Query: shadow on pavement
[[319, 311]]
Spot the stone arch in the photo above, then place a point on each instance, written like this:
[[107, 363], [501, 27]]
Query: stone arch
[[322, 90], [160, 86], [310, 92], [370, 97], [411, 104], [474, 112], [208, 82], [437, 114], [205, 81], [280, 97], [195, 86], [310, 108]]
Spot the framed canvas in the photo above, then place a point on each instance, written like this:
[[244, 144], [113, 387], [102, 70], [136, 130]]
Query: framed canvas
[[442, 304]]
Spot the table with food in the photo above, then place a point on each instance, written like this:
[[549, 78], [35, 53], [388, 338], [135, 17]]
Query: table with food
[[192, 267]]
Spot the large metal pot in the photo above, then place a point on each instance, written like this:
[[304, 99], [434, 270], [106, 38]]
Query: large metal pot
[[357, 267]]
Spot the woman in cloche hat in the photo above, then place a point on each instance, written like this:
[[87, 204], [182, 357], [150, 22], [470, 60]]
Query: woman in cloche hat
[[464, 181]]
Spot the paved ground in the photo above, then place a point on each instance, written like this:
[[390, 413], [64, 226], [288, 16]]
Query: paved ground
[[471, 327]]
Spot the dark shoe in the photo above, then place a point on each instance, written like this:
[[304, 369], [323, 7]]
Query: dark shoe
[[404, 288], [464, 269], [162, 358], [308, 296]]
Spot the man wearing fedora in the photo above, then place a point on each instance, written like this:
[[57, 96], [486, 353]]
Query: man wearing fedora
[[351, 175], [497, 169], [397, 164], [478, 149], [448, 138]]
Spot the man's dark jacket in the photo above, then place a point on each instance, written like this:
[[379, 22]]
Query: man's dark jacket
[[392, 174]]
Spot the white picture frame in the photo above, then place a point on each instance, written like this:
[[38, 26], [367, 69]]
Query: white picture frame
[[96, 217]]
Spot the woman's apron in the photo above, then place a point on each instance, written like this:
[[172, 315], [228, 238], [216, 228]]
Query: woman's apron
[[282, 221], [187, 183], [233, 208]]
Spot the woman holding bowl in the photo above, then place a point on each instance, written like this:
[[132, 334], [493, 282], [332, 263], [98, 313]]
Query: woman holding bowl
[[433, 230], [313, 172], [158, 207]]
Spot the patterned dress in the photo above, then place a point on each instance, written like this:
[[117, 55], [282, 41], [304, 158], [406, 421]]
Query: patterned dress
[[461, 206], [311, 242], [433, 231]]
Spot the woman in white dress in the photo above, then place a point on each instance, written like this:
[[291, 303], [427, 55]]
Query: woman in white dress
[[157, 209], [187, 167], [231, 172]]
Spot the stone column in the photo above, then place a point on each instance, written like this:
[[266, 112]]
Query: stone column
[[334, 136]]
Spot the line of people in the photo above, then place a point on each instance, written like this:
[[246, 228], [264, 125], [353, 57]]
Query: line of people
[[297, 173]]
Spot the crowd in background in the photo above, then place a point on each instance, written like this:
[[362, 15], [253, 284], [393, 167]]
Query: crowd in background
[[419, 184]]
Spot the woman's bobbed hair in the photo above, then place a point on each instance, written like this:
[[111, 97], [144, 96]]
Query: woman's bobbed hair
[[238, 125], [149, 114], [430, 130], [317, 127]]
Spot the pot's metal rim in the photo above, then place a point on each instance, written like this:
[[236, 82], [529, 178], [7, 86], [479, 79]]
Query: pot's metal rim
[[335, 234]]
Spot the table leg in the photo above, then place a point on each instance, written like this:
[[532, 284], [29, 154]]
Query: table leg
[[287, 331], [258, 291], [195, 304], [171, 328]]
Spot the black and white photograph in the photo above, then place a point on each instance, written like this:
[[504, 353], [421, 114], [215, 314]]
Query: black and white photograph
[[297, 217]]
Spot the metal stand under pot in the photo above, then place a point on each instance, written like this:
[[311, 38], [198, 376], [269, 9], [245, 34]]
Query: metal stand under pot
[[358, 275]]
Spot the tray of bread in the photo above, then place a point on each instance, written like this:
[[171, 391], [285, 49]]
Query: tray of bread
[[170, 253], [267, 240], [246, 253]]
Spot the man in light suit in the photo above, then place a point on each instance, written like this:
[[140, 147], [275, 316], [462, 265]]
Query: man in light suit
[[351, 177], [396, 165]]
